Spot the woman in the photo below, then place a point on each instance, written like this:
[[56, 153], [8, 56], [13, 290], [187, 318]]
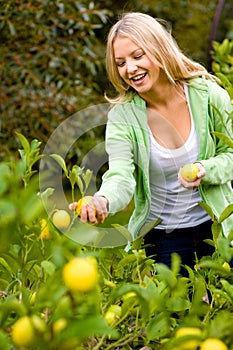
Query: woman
[[162, 118]]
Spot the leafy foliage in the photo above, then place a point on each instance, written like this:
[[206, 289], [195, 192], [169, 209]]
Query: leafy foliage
[[137, 304], [50, 63]]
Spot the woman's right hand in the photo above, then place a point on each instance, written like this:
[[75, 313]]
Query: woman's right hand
[[91, 209]]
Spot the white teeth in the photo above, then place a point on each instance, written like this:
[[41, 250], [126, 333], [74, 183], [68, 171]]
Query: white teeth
[[139, 77]]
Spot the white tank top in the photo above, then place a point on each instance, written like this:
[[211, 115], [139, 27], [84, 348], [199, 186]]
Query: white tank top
[[176, 206]]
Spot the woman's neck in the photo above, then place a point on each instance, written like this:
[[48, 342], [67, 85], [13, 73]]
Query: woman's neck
[[163, 94]]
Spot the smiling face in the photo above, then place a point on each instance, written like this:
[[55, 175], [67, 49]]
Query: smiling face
[[134, 66]]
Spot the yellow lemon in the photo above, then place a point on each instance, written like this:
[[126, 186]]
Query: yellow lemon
[[45, 233], [226, 266], [213, 344], [61, 219], [189, 172], [188, 344], [59, 325], [81, 274], [112, 314], [23, 334], [87, 200]]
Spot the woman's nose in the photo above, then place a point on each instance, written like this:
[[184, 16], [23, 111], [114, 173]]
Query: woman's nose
[[131, 67]]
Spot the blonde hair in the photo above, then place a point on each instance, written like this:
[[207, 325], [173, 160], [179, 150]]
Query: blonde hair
[[156, 40]]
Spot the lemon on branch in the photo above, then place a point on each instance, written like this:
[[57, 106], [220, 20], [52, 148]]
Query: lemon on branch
[[81, 274], [190, 336], [23, 333], [213, 344], [61, 219], [189, 172]]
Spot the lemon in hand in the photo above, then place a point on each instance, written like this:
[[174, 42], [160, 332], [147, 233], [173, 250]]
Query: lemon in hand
[[189, 172], [87, 200]]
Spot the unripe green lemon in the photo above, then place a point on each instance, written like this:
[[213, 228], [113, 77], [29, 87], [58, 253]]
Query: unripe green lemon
[[189, 172]]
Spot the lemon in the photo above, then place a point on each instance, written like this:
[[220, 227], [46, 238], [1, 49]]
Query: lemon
[[23, 334], [38, 324], [87, 200], [226, 266], [45, 234], [213, 344], [189, 172], [61, 219], [188, 344], [112, 314], [81, 274], [59, 325]]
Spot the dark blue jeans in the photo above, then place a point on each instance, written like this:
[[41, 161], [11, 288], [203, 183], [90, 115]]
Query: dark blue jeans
[[187, 242]]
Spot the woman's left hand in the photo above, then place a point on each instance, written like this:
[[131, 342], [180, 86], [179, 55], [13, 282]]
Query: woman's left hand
[[194, 184]]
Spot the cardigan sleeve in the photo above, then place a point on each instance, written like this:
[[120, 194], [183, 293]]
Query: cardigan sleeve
[[219, 167], [118, 183]]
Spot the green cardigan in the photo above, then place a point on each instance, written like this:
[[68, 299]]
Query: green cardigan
[[127, 144]]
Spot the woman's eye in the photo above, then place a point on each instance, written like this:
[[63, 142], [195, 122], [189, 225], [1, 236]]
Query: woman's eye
[[138, 56], [120, 64]]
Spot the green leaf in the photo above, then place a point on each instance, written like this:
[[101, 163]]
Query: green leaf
[[158, 327], [48, 267], [24, 143], [6, 266], [141, 293], [216, 229], [207, 208], [175, 263], [61, 162], [212, 265], [224, 138], [228, 288], [226, 213], [87, 178], [123, 230], [167, 275], [147, 227], [91, 326], [224, 248], [46, 194]]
